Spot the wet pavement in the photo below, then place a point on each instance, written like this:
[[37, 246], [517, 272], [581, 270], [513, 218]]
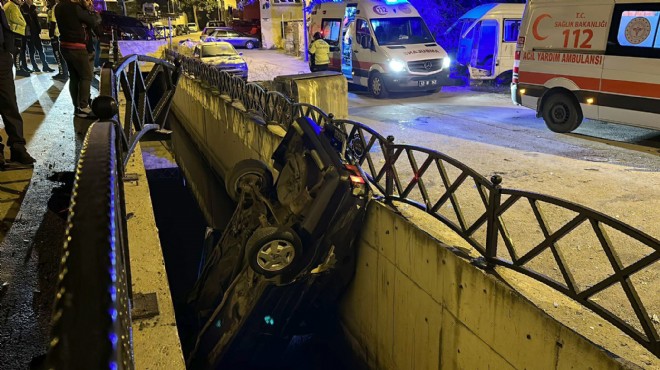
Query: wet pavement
[[33, 206]]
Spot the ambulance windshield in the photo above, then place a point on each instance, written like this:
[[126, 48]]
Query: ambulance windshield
[[401, 31]]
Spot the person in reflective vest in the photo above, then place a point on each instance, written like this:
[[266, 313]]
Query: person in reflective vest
[[319, 51]]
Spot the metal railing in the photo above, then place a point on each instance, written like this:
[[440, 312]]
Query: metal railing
[[91, 320], [147, 97], [92, 315], [498, 222]]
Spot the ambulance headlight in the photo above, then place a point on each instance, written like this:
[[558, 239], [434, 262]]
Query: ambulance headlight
[[446, 62], [397, 65]]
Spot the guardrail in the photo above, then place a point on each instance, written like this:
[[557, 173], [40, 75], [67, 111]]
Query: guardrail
[[477, 208], [92, 318], [147, 97]]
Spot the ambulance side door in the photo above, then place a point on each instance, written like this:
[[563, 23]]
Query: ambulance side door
[[510, 32], [630, 87], [484, 49]]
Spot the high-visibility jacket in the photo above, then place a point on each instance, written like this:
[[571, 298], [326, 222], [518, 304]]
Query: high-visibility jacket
[[321, 51], [15, 18]]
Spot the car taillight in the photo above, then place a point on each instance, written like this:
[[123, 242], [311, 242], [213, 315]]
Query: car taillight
[[357, 181]]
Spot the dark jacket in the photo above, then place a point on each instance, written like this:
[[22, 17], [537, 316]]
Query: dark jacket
[[5, 31], [25, 10], [70, 20], [32, 20]]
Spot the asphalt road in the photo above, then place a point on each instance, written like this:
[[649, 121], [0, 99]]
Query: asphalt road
[[489, 117]]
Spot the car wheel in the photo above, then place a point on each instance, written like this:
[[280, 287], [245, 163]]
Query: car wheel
[[504, 79], [273, 251], [245, 172], [377, 87], [249, 45], [561, 113]]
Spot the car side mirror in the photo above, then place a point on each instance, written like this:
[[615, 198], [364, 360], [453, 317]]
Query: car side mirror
[[240, 53]]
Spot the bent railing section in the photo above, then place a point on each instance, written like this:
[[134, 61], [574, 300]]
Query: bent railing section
[[527, 232], [147, 97], [91, 319]]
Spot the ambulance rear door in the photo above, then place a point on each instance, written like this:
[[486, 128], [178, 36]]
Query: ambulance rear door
[[484, 49]]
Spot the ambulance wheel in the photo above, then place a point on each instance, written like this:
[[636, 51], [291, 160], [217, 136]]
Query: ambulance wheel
[[561, 113], [377, 86], [273, 251]]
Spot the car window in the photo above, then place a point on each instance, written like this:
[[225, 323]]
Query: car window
[[219, 33], [217, 50], [233, 34]]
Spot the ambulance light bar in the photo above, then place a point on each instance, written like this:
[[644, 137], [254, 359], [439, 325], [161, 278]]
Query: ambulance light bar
[[394, 2]]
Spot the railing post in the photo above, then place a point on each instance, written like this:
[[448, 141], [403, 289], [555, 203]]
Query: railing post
[[115, 45], [389, 167], [494, 199]]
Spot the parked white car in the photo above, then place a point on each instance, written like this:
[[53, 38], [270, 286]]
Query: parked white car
[[193, 27], [162, 32]]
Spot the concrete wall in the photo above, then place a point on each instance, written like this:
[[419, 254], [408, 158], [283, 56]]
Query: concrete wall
[[413, 303]]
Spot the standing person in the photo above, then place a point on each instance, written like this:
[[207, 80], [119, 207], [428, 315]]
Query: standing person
[[16, 34], [34, 39], [75, 23], [93, 44], [9, 112], [320, 54], [54, 34]]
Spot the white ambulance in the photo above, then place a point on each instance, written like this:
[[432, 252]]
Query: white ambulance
[[487, 42], [384, 45], [596, 59]]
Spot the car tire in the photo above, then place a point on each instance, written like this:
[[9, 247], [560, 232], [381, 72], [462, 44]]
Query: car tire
[[377, 86], [249, 45], [248, 170], [273, 251], [504, 79], [561, 113]]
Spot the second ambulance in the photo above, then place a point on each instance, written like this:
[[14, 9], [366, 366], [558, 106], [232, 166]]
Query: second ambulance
[[383, 45]]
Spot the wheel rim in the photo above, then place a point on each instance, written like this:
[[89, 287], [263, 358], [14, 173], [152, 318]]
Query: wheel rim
[[559, 113], [376, 86], [249, 178], [249, 45], [276, 255]]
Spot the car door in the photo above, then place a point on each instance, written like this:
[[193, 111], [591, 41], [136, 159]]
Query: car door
[[235, 38], [218, 35]]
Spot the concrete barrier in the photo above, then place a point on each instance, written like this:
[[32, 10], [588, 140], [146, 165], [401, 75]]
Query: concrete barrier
[[414, 304]]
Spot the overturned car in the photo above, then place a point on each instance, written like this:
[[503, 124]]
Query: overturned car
[[288, 252]]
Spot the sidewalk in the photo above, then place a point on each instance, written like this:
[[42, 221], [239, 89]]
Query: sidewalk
[[33, 206]]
